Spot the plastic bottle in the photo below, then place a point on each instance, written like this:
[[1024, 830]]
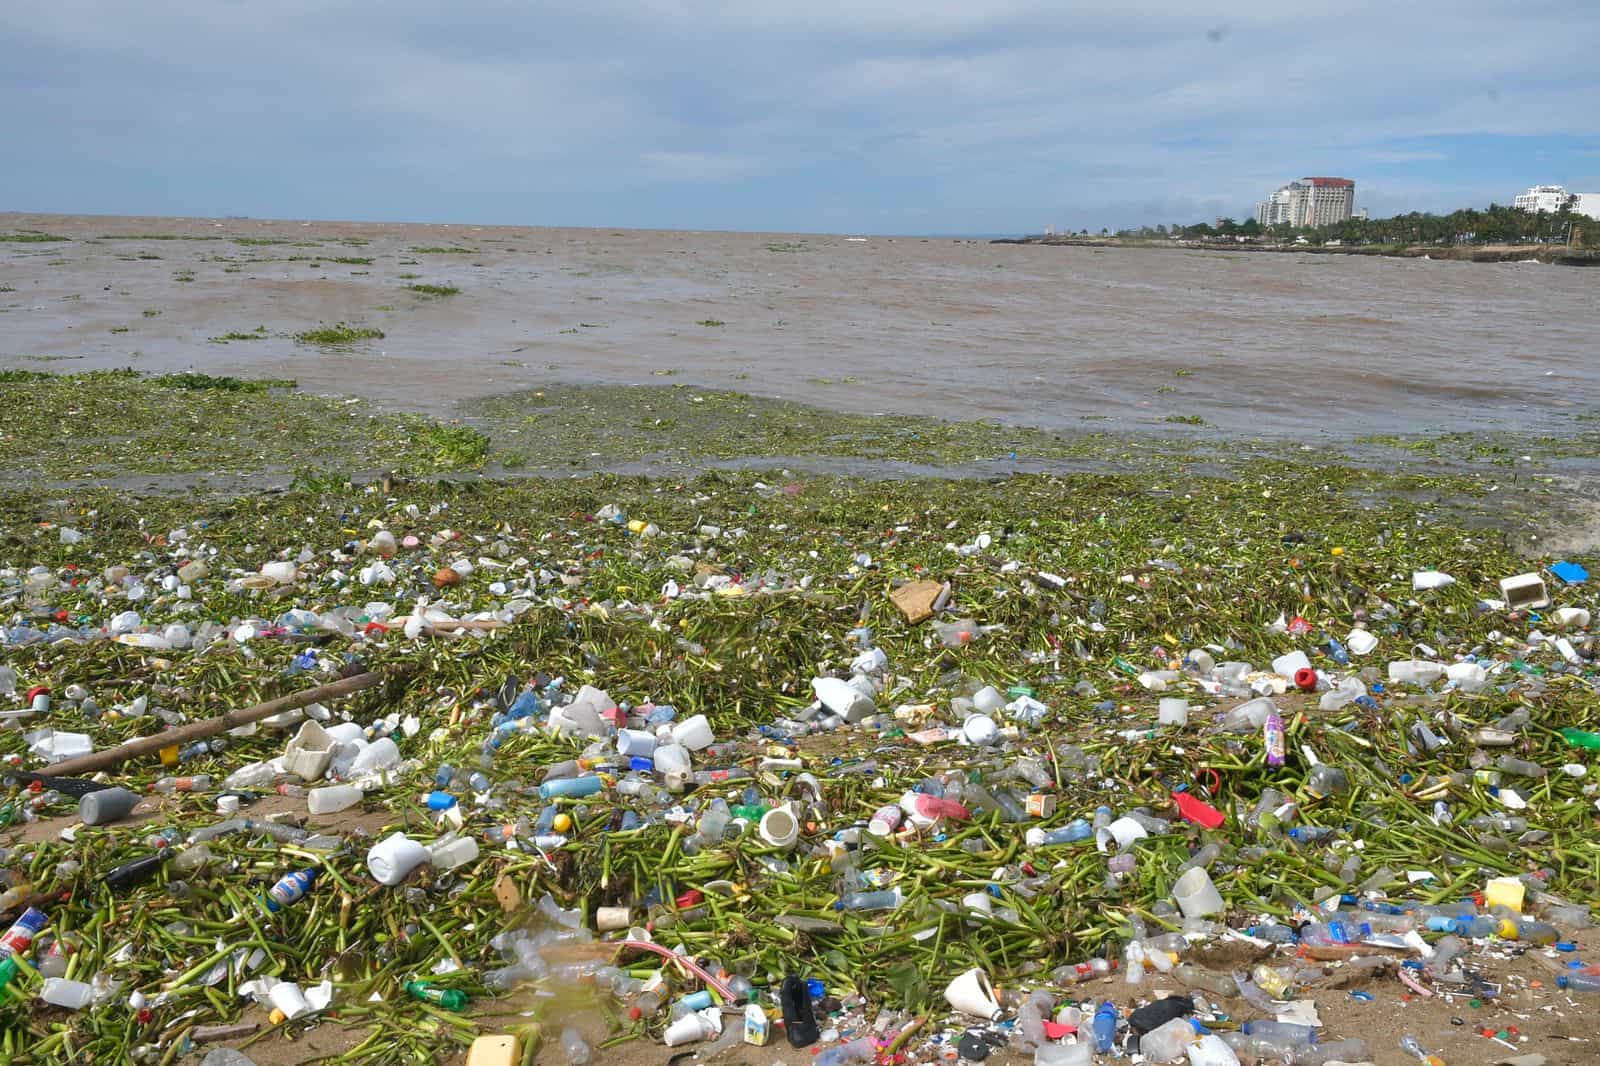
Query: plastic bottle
[[136, 872], [1519, 767], [1072, 973], [1211, 1050], [1192, 976], [574, 1046], [575, 787], [883, 900], [1579, 982], [1528, 931], [333, 798], [1064, 1055], [255, 775], [451, 999], [1074, 831], [197, 783], [18, 940], [290, 889], [1326, 781], [1168, 1041], [1284, 1034], [60, 992], [1273, 738], [1105, 1026], [857, 1050], [1409, 1044], [1270, 981], [885, 820]]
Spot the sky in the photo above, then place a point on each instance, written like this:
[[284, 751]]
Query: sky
[[873, 116]]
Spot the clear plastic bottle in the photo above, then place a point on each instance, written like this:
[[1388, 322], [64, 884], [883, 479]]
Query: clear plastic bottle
[[1519, 767], [1325, 781], [170, 785], [1192, 976], [882, 900], [1282, 1034], [575, 1047], [1072, 973]]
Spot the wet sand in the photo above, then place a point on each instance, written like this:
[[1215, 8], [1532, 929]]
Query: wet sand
[[1292, 346]]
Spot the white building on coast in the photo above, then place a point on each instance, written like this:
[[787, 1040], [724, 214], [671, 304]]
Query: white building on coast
[[1309, 202], [1550, 198]]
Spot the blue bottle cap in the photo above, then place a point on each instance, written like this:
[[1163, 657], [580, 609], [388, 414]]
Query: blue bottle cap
[[815, 988]]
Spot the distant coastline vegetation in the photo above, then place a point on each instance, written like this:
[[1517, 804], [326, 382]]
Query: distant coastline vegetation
[[1496, 224]]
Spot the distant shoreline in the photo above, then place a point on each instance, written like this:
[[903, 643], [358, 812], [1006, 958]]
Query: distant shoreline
[[1487, 253]]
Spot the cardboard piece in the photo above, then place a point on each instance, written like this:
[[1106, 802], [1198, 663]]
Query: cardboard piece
[[915, 599]]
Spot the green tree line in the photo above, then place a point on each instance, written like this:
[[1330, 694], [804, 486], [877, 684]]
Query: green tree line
[[1496, 224]]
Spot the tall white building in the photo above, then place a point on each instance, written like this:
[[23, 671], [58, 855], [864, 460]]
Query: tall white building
[[1550, 198], [1541, 198], [1309, 202]]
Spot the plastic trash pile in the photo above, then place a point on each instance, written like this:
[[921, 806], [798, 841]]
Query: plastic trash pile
[[724, 776]]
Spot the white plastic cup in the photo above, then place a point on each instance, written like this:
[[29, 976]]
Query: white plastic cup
[[392, 859], [687, 1030], [332, 799], [287, 997], [971, 993], [1173, 711], [1122, 832], [694, 733], [779, 828], [633, 742], [988, 699], [979, 902], [609, 919], [1195, 893], [227, 804]]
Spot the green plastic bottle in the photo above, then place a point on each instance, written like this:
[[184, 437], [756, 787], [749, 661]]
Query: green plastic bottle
[[1579, 738], [452, 999]]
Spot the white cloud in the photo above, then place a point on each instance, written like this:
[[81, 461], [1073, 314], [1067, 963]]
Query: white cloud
[[991, 115]]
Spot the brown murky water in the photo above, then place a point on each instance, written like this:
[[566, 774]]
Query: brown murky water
[[1254, 343]]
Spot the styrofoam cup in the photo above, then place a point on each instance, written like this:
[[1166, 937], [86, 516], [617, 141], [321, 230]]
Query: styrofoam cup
[[694, 733], [287, 997], [394, 857]]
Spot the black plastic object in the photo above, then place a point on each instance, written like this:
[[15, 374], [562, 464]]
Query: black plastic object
[[136, 872], [76, 787], [972, 1046], [1155, 1015], [799, 1023]]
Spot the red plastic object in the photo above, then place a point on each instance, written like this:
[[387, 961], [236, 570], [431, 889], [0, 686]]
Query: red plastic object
[[1305, 679], [1198, 811], [37, 690], [689, 899]]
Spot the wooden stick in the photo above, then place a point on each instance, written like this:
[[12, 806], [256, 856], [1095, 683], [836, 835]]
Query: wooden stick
[[210, 727]]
